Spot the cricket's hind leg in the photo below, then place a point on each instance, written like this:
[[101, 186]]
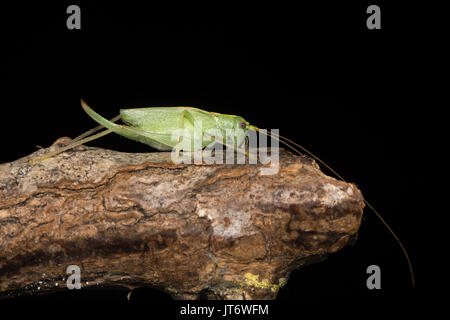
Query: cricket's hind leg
[[73, 145], [94, 130], [78, 140]]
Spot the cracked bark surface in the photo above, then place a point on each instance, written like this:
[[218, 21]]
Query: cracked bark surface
[[135, 219]]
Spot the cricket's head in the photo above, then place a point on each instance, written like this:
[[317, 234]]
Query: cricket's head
[[234, 126], [243, 125]]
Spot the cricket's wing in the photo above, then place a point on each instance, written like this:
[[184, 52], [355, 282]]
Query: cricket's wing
[[168, 119]]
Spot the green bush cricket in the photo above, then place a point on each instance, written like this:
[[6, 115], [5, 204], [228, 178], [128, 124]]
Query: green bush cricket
[[155, 127]]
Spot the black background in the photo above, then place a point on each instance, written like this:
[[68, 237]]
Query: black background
[[313, 71]]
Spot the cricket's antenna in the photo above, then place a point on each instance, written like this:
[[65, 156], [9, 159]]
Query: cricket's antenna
[[289, 143]]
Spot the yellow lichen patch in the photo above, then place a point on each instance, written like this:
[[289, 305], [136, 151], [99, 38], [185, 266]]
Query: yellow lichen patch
[[252, 280], [171, 290]]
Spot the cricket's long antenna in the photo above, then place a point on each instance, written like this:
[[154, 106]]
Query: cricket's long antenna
[[73, 145], [288, 143]]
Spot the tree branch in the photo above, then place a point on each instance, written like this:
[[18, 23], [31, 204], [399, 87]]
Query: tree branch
[[224, 231]]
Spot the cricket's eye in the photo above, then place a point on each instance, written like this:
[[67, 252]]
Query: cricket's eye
[[243, 125]]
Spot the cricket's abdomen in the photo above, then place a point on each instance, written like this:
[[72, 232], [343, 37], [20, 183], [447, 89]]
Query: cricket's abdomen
[[163, 121]]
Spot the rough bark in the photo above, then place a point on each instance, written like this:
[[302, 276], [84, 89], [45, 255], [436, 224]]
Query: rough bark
[[224, 231]]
